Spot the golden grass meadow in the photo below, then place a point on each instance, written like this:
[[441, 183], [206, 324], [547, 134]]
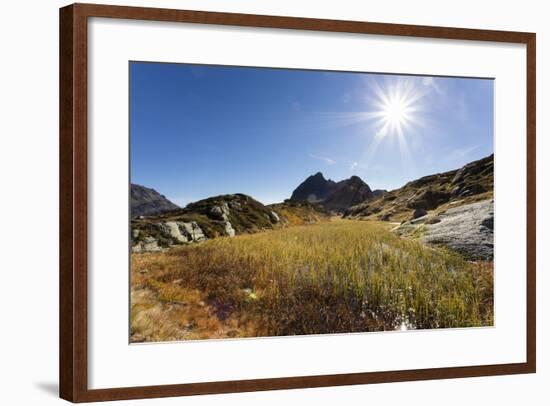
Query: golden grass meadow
[[336, 276]]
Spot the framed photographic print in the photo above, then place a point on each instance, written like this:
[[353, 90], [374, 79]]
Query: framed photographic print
[[256, 202]]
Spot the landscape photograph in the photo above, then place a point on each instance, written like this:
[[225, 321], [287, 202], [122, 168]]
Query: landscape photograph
[[269, 202]]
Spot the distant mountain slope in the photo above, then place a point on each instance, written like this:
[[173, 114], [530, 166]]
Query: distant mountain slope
[[472, 182], [148, 202], [336, 196]]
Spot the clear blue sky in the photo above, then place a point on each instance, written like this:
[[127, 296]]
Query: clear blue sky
[[199, 131]]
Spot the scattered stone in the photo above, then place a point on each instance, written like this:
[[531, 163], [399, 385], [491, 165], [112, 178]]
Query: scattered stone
[[150, 245], [419, 213], [235, 205], [275, 217], [459, 176], [229, 229], [433, 220], [220, 212], [216, 212], [456, 191]]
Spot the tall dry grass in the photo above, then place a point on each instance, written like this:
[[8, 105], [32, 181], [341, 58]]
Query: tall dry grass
[[334, 277]]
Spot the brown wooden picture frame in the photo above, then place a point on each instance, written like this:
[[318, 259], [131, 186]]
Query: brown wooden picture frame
[[73, 202]]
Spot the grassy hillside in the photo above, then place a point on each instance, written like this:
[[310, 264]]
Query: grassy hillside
[[329, 277], [473, 182], [244, 214], [296, 213]]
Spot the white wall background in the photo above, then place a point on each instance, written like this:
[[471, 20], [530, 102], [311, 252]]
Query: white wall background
[[29, 193]]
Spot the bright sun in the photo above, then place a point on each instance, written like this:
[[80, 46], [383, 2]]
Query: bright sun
[[395, 111], [395, 108]]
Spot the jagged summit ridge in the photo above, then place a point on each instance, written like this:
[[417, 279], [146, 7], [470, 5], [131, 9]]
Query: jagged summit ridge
[[335, 196]]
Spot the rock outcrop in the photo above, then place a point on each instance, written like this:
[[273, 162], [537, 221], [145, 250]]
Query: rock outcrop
[[275, 217], [229, 229], [156, 236], [221, 212], [466, 229], [149, 244]]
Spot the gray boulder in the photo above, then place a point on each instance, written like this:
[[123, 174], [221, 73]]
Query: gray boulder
[[467, 229], [220, 212], [172, 230], [149, 244], [193, 231], [229, 229]]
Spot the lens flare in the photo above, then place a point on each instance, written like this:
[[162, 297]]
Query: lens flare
[[394, 112], [395, 107]]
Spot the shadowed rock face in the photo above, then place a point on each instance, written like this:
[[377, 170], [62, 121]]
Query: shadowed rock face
[[314, 189], [148, 202], [348, 193], [336, 196]]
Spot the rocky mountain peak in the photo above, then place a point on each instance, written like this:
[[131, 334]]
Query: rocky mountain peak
[[336, 196], [314, 189], [356, 180]]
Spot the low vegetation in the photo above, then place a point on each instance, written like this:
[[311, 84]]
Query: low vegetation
[[297, 213], [329, 277], [245, 214], [434, 193]]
